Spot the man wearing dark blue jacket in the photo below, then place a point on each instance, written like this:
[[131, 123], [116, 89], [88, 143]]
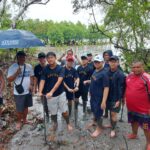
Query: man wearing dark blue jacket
[[116, 91]]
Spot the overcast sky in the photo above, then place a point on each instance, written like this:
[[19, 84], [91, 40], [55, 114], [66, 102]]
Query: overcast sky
[[57, 10]]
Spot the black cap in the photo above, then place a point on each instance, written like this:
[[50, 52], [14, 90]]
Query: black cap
[[83, 57], [114, 58], [41, 55], [21, 53], [89, 54]]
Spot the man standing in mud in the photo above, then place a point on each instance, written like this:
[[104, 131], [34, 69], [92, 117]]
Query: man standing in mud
[[22, 75], [106, 55], [99, 88], [38, 71], [138, 101], [51, 85], [116, 92], [84, 72], [71, 83]]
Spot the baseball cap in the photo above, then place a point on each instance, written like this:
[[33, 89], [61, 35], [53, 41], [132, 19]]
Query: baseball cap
[[70, 58], [21, 53], [113, 58], [98, 58], [41, 55], [89, 54], [84, 56]]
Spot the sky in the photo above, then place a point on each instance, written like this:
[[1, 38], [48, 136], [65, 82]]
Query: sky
[[57, 10]]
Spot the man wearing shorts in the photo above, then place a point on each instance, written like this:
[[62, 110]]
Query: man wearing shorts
[[99, 88], [23, 100], [138, 101], [116, 92], [84, 72], [38, 71], [71, 83], [51, 85]]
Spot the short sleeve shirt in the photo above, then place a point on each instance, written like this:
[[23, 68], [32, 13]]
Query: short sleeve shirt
[[99, 81], [38, 71], [70, 76], [26, 81], [51, 77]]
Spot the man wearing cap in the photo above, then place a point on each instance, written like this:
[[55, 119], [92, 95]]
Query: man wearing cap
[[84, 73], [116, 92], [99, 88], [38, 71], [21, 74], [71, 82]]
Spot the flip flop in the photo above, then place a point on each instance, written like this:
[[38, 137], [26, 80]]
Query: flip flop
[[132, 136], [28, 122]]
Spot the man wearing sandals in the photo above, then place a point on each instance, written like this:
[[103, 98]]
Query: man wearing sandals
[[21, 74], [138, 101]]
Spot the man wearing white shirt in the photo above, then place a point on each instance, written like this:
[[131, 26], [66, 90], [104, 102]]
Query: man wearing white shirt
[[21, 74]]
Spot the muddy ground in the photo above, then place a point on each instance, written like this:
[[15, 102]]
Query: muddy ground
[[32, 137]]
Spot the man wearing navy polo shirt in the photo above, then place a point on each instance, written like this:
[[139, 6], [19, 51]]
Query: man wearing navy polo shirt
[[71, 83], [116, 92], [99, 88], [51, 85], [38, 71], [84, 73]]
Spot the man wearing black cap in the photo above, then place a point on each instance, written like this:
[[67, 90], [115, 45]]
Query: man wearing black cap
[[84, 73], [116, 91], [38, 71], [22, 75]]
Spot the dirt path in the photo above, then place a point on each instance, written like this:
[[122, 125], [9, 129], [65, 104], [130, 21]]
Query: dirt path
[[32, 138]]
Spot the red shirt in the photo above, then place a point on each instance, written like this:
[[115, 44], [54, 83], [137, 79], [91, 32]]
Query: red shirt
[[136, 95]]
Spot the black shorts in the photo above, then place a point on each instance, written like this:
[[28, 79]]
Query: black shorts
[[69, 96], [1, 101], [83, 94], [23, 101], [111, 107]]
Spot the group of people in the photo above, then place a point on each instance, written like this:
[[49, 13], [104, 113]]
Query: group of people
[[101, 77]]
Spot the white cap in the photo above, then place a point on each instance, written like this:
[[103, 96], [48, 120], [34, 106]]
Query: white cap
[[98, 58]]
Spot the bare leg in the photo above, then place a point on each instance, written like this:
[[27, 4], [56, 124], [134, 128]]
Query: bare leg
[[66, 117], [98, 130], [147, 135], [135, 127], [113, 120], [19, 118], [70, 107]]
